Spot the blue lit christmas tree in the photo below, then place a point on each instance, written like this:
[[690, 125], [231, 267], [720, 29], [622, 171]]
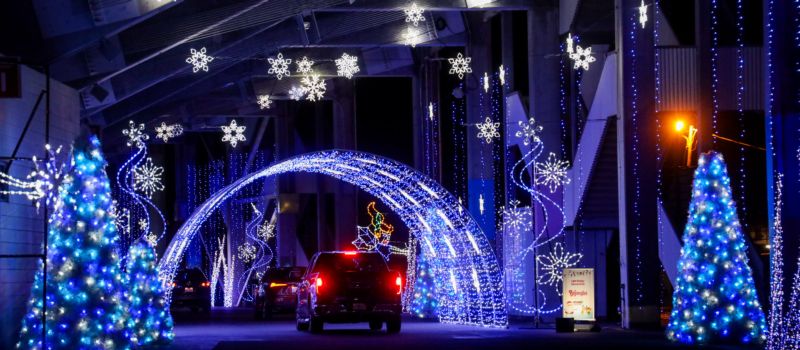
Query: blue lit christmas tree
[[423, 303], [715, 297], [85, 287], [152, 322]]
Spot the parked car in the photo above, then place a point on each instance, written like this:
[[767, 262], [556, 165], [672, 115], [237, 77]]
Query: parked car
[[190, 288], [349, 287], [277, 291]]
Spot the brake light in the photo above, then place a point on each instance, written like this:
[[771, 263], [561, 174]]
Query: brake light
[[350, 253], [205, 284], [318, 283], [174, 284], [399, 283], [275, 285]]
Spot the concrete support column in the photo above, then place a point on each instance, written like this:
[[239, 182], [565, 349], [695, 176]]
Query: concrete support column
[[344, 137], [288, 201], [637, 164]]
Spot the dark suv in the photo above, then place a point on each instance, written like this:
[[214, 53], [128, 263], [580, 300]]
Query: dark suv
[[277, 291], [349, 287], [191, 289]]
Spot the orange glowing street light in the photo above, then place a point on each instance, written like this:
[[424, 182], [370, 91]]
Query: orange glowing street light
[[689, 137]]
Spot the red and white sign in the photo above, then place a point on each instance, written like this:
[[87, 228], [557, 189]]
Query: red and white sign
[[578, 294]]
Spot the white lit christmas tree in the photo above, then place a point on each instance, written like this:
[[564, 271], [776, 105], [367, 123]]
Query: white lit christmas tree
[[715, 297], [148, 307], [85, 287]]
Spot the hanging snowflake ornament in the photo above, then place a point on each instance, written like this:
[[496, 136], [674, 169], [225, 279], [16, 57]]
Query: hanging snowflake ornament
[[488, 130], [643, 14], [147, 178], [122, 218], [304, 65], [199, 60], [266, 231], [314, 87], [570, 43], [347, 66], [414, 14], [279, 66], [529, 132], [502, 75], [460, 65], [517, 219], [552, 265], [246, 252], [552, 173], [136, 135], [143, 224], [233, 133], [582, 57], [296, 93], [264, 102], [151, 239], [166, 132], [485, 82], [412, 37]]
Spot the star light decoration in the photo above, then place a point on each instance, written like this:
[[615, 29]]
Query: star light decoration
[[41, 185], [264, 102], [199, 60], [488, 130], [296, 93], [460, 65], [166, 132], [529, 132], [147, 178], [266, 231], [414, 14], [246, 252], [412, 37], [136, 135], [279, 66], [643, 14], [314, 87], [582, 57], [233, 133], [554, 263], [347, 66], [304, 65], [552, 173]]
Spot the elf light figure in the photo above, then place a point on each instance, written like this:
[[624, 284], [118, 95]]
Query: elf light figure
[[152, 322], [715, 296], [85, 287]]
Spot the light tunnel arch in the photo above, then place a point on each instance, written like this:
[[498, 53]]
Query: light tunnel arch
[[467, 275]]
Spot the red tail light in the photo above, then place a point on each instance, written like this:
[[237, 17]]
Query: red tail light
[[350, 253], [399, 283], [318, 283], [205, 284]]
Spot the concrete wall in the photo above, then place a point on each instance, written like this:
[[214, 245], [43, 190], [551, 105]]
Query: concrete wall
[[21, 227]]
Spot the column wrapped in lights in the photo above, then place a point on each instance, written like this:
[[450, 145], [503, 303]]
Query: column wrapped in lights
[[715, 295], [467, 270]]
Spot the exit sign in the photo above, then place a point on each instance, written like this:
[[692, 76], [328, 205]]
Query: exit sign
[[10, 81]]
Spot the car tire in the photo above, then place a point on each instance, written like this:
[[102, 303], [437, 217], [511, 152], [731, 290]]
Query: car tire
[[393, 325], [315, 325], [302, 326], [375, 325]]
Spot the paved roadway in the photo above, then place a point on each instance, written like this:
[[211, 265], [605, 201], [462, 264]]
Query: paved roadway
[[236, 329]]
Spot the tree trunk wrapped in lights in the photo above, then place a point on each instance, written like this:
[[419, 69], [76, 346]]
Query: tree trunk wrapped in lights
[[715, 297], [85, 286], [152, 322]]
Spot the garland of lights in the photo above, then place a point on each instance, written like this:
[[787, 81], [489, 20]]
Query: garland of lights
[[468, 277]]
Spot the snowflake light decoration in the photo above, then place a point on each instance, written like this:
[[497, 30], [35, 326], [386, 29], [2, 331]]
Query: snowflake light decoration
[[582, 57], [166, 132], [314, 87], [136, 135], [643, 14], [517, 219], [554, 263], [296, 93], [412, 37], [199, 60], [143, 224], [264, 102], [279, 66], [460, 65], [304, 65], [529, 131], [552, 173], [122, 218], [147, 178], [570, 43], [485, 82], [347, 66], [430, 111], [151, 239], [266, 231], [414, 14], [488, 130], [233, 133], [246, 252]]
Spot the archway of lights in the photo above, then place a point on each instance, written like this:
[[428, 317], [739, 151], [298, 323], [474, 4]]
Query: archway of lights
[[468, 279]]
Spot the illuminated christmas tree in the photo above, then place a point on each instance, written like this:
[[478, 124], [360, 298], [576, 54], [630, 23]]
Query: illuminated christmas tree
[[715, 297], [152, 322], [85, 287], [423, 303]]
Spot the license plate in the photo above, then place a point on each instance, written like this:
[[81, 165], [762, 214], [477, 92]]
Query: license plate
[[359, 307], [188, 290]]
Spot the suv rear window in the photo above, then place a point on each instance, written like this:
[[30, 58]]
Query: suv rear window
[[341, 262]]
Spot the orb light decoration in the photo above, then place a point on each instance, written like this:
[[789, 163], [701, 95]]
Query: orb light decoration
[[468, 279]]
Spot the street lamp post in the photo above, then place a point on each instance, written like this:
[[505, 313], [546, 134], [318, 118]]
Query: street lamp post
[[690, 139]]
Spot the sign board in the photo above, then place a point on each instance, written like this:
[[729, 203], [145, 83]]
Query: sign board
[[578, 294]]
